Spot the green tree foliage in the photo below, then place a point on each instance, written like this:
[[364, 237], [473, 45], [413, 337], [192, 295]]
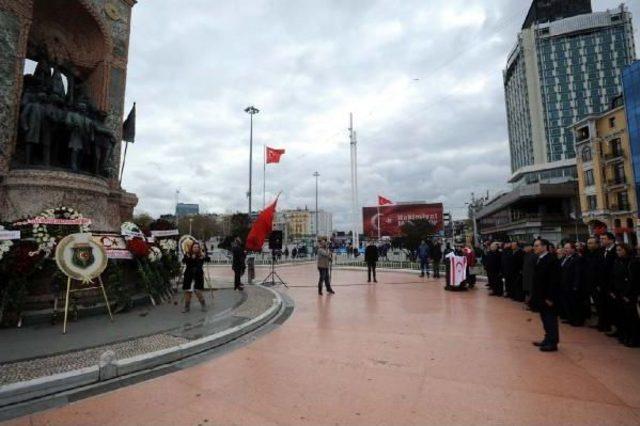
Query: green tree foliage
[[203, 226], [415, 231], [143, 220]]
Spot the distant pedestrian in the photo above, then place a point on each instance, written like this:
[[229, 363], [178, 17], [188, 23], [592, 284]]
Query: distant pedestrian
[[371, 257], [324, 262], [286, 252], [238, 263], [193, 276], [294, 253], [423, 257], [436, 258], [544, 296]]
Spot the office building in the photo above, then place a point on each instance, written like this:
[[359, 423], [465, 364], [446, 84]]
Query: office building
[[566, 65], [184, 209], [631, 86]]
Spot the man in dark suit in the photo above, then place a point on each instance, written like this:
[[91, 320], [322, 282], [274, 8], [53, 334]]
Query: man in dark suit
[[371, 257], [606, 302], [543, 297], [592, 259], [571, 285], [492, 264]]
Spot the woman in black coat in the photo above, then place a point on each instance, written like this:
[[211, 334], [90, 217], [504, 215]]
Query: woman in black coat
[[238, 263], [193, 277], [625, 291]]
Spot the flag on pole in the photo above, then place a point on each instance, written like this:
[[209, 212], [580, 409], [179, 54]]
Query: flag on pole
[[129, 126], [383, 201], [273, 155], [261, 228]]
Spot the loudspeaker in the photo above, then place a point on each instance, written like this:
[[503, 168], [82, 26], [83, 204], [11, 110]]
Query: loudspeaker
[[275, 240]]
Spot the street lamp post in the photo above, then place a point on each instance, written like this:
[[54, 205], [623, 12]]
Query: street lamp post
[[251, 110], [316, 174]]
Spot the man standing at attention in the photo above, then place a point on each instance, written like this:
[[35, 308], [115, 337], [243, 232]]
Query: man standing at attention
[[543, 297], [423, 257], [371, 257]]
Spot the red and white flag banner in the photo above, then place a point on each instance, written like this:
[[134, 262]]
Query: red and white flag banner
[[383, 201], [273, 155], [458, 269]]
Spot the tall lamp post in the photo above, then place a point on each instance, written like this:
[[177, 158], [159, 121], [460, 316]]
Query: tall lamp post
[[316, 174], [251, 110]]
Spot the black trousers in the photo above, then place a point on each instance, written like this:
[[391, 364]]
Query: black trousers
[[549, 318], [371, 268], [604, 309], [237, 274], [495, 282], [324, 277], [436, 268]]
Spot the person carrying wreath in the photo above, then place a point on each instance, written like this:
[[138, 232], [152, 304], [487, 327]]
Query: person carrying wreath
[[193, 276]]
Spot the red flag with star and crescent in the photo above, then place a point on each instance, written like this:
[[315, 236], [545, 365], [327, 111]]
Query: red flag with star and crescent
[[274, 154], [383, 201]]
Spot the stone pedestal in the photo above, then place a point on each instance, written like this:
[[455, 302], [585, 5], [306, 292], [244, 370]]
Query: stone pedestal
[[90, 37], [29, 192]]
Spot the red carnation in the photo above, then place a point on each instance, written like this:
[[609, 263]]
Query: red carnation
[[138, 247]]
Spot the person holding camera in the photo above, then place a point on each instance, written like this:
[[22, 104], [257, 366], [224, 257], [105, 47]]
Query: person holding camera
[[324, 262], [193, 276]]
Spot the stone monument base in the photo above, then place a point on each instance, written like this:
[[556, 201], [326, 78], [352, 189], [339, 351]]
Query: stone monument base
[[28, 192]]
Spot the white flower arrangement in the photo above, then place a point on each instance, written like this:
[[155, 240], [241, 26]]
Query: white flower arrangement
[[46, 242], [155, 254], [5, 245], [168, 245], [130, 229]]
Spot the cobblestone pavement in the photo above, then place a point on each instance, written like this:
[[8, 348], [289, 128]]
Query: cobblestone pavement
[[401, 352]]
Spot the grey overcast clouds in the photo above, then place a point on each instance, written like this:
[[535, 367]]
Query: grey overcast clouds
[[423, 79]]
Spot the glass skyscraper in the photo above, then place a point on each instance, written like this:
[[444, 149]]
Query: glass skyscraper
[[631, 83], [560, 72]]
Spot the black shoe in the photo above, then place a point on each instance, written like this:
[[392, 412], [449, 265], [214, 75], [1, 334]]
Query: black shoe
[[539, 344], [613, 334], [549, 348], [422, 275], [331, 291], [375, 281], [368, 281], [319, 293]]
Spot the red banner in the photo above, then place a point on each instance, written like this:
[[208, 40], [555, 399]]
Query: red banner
[[392, 217], [273, 155]]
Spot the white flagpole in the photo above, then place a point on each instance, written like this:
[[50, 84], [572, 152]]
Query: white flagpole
[[264, 174], [378, 220]]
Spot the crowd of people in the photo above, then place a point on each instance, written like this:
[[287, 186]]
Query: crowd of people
[[596, 283]]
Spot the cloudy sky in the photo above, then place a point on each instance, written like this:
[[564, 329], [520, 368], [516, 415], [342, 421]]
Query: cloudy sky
[[422, 78]]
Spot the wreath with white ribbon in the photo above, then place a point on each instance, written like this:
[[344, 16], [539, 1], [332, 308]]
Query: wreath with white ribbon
[[5, 245], [155, 254], [40, 232], [168, 245]]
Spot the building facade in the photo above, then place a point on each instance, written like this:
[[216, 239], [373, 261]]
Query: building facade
[[631, 87], [605, 174], [299, 224], [562, 69], [184, 209]]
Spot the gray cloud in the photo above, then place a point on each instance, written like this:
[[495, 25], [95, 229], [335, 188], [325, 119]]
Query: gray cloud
[[423, 80]]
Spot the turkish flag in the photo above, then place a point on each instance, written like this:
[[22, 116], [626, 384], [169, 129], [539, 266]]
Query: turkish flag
[[273, 155], [383, 201], [261, 228]]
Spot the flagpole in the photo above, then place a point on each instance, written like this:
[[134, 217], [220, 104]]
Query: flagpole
[[124, 160], [378, 221], [264, 174]]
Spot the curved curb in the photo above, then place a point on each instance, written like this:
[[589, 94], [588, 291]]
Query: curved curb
[[22, 392]]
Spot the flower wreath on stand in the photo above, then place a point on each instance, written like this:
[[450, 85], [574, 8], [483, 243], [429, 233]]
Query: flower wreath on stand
[[47, 236], [5, 245]]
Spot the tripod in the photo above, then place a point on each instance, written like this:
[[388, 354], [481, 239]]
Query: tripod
[[273, 278]]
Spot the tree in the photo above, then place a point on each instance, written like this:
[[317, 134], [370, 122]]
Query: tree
[[415, 231], [203, 227], [143, 220]]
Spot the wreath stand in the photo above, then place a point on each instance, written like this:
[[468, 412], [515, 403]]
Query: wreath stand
[[68, 294]]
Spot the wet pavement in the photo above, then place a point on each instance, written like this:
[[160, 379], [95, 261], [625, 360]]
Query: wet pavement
[[401, 352]]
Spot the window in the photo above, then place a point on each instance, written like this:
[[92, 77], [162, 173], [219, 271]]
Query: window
[[616, 148], [592, 202], [586, 154], [588, 177], [623, 200], [618, 173]]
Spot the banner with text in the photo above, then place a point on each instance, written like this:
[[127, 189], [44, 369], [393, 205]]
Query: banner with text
[[392, 217]]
